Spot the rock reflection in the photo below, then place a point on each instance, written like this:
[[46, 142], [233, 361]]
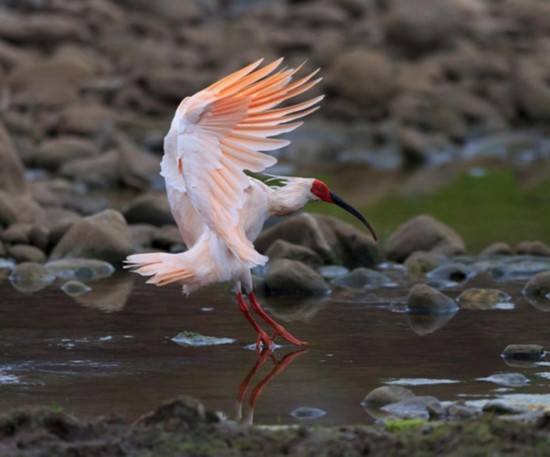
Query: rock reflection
[[295, 309], [109, 295], [424, 324], [278, 367]]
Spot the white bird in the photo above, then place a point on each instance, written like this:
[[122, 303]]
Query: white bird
[[215, 135]]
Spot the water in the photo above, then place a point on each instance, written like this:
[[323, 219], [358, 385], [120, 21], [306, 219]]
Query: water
[[111, 351]]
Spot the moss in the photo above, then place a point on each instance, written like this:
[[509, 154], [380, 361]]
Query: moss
[[399, 425]]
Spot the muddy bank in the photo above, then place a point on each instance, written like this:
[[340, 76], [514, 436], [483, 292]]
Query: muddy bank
[[182, 427]]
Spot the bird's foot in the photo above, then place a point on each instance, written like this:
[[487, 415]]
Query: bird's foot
[[283, 333], [263, 342]]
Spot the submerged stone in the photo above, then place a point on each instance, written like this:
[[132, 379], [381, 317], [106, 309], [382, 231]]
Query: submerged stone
[[75, 288], [80, 268], [507, 379], [362, 278], [307, 413], [195, 340], [531, 352], [482, 299], [31, 277]]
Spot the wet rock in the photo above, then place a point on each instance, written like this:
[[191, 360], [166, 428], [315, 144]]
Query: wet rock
[[53, 153], [80, 268], [496, 249], [425, 324], [30, 277], [507, 379], [423, 299], [519, 267], [453, 271], [103, 236], [149, 208], [184, 411], [195, 340], [307, 413], [529, 352], [419, 262], [281, 249], [332, 271], [75, 288], [290, 277], [363, 278], [336, 242], [12, 170], [461, 411], [26, 253], [386, 395], [535, 248], [482, 299], [538, 287], [412, 408], [422, 233], [501, 407]]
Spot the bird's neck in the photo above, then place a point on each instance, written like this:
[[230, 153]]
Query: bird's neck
[[287, 199]]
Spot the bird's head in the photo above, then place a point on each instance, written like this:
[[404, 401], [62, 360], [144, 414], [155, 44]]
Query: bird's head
[[320, 191]]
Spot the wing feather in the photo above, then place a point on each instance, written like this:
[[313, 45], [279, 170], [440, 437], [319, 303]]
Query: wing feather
[[226, 129]]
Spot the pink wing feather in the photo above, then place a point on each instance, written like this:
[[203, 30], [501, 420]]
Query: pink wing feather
[[222, 131]]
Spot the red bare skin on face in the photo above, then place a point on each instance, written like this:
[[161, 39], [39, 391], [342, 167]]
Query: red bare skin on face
[[321, 190]]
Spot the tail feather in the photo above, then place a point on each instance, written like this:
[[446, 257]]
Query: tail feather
[[162, 267]]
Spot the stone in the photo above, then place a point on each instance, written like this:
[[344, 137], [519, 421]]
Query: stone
[[75, 288], [363, 278], [138, 168], [538, 286], [423, 299], [54, 153], [86, 119], [482, 299], [99, 171], [529, 352], [418, 407], [26, 253], [193, 339], [142, 235], [183, 411], [507, 379], [103, 236], [461, 411], [90, 269], [12, 170], [291, 277], [422, 233], [26, 233], [501, 407], [496, 249], [420, 262], [307, 413], [30, 277], [336, 242], [519, 267], [535, 248], [282, 249], [453, 271], [387, 395], [166, 237], [7, 210], [150, 208]]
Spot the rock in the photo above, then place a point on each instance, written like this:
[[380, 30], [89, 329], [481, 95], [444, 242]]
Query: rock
[[333, 240], [281, 249], [169, 10], [363, 278], [142, 235], [103, 236], [496, 249], [535, 248], [80, 268], [533, 95], [307, 413], [100, 171], [423, 299], [167, 237], [12, 170], [86, 119], [7, 211], [419, 262], [422, 233], [507, 379], [456, 272], [461, 411], [332, 271], [75, 288], [387, 395], [53, 153], [25, 233], [196, 340], [26, 253], [538, 286], [290, 277], [519, 267], [530, 352], [482, 299], [150, 208], [365, 77], [182, 412], [30, 277], [139, 169], [501, 407], [411, 408]]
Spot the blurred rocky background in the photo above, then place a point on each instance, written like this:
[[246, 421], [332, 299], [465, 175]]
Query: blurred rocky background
[[450, 96]]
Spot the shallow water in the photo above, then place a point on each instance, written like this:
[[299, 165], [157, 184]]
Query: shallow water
[[111, 351]]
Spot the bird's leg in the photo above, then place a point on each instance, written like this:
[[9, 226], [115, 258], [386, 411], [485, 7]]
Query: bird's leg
[[262, 336], [278, 329]]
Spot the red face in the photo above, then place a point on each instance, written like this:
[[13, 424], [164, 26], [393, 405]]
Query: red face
[[321, 190]]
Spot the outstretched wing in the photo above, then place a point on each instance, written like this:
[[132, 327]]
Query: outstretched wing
[[222, 131]]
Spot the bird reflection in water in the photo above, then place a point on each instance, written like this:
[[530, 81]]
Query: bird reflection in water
[[278, 367]]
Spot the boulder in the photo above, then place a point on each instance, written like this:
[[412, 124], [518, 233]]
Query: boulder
[[423, 299], [282, 249], [12, 170], [336, 242], [291, 277], [150, 208], [103, 236], [423, 233]]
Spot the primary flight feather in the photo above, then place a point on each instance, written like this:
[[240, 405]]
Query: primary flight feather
[[215, 135]]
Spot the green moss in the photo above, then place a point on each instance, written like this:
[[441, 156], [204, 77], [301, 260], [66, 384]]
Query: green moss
[[400, 425]]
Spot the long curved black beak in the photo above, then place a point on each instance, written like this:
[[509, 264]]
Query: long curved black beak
[[350, 209]]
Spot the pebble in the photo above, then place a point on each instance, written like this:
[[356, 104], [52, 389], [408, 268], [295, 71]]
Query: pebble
[[80, 268]]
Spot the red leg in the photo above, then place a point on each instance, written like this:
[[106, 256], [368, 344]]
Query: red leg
[[278, 328], [262, 337]]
